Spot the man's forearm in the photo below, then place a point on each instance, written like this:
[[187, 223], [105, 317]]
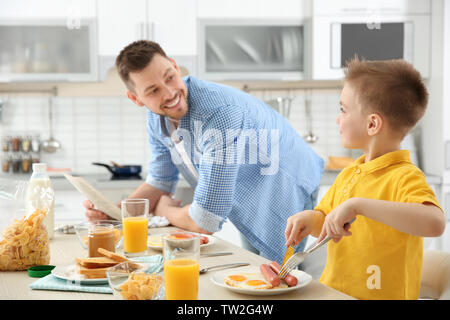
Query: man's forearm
[[146, 191], [425, 220], [179, 217]]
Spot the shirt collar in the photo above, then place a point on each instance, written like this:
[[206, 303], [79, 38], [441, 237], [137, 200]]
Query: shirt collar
[[383, 161]]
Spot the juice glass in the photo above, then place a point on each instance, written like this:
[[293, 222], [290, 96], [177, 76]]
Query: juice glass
[[135, 226], [181, 267]]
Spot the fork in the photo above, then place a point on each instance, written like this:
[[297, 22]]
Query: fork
[[299, 257]]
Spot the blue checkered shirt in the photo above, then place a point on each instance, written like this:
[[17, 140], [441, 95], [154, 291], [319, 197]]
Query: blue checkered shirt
[[258, 186]]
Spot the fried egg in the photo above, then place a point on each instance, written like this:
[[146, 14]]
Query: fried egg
[[253, 281]]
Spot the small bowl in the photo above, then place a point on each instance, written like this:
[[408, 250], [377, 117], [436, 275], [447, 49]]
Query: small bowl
[[137, 281], [82, 231]]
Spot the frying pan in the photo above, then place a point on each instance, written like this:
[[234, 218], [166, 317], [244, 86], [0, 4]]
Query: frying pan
[[121, 171]]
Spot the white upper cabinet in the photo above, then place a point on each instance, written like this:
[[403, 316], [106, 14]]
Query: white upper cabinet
[[174, 25], [364, 7], [253, 8], [48, 40], [120, 24], [48, 9]]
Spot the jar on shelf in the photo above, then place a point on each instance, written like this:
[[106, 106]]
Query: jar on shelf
[[26, 163], [16, 163], [6, 163], [16, 144], [26, 144], [6, 143], [35, 143]]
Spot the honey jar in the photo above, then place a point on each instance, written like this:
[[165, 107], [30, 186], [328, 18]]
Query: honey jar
[[100, 236]]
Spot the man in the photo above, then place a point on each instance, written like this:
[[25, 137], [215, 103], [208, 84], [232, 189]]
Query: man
[[243, 159]]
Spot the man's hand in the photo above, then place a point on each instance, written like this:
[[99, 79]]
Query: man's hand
[[94, 214], [165, 203]]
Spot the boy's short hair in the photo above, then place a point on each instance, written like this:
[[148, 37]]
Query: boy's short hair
[[393, 88], [135, 57]]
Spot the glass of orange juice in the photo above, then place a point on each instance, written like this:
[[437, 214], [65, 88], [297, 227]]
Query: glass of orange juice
[[135, 226], [181, 266]]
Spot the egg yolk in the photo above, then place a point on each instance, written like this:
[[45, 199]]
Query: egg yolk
[[237, 278], [255, 283]]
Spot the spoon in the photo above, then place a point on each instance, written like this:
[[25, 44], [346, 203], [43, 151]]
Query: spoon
[[50, 145], [310, 137]]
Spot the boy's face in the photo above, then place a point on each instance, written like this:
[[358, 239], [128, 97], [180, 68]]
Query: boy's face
[[160, 87], [351, 121]]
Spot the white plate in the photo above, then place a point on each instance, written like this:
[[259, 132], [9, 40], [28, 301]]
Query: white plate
[[69, 273], [211, 241], [303, 280]]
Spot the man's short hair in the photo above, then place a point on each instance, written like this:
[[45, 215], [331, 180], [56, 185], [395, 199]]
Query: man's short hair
[[135, 57], [393, 88]]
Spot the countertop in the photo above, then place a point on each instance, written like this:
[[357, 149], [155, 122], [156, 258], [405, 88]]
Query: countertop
[[103, 181], [64, 248]]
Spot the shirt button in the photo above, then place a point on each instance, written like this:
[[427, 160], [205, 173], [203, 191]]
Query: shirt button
[[358, 170], [353, 180], [345, 191]]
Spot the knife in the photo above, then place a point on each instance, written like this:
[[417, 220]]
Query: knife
[[215, 254], [224, 266], [289, 252]]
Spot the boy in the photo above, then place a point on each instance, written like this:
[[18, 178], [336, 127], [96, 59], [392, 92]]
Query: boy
[[381, 258]]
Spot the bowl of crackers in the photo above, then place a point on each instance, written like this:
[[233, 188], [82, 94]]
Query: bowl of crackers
[[136, 281]]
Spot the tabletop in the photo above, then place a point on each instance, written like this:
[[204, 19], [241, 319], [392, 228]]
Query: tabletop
[[65, 247]]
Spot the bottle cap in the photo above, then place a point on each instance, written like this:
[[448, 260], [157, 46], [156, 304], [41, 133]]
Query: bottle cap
[[40, 167], [40, 271]]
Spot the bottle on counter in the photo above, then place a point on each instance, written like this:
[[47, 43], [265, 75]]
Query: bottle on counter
[[40, 195]]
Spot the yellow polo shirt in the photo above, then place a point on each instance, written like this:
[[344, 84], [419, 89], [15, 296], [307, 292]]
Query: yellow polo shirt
[[377, 261]]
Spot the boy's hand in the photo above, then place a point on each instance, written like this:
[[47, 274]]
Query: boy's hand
[[298, 226], [334, 224]]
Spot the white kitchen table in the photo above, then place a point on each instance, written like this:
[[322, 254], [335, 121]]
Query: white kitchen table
[[64, 248]]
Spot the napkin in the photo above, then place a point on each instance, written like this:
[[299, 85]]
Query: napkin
[[51, 282]]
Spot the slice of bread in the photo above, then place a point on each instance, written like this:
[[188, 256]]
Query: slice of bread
[[92, 273], [96, 262]]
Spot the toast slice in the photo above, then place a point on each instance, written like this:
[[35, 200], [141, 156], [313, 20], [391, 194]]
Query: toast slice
[[116, 257], [92, 273], [112, 255], [96, 262]]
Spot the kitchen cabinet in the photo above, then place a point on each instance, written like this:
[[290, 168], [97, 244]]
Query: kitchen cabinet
[[254, 9], [46, 9], [175, 27], [50, 49], [355, 7], [171, 23], [120, 24], [39, 44]]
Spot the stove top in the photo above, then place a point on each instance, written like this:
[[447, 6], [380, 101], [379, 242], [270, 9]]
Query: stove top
[[133, 177]]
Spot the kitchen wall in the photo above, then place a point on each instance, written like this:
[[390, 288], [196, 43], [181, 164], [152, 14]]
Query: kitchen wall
[[105, 128]]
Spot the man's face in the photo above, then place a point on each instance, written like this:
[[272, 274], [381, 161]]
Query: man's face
[[351, 121], [160, 87]]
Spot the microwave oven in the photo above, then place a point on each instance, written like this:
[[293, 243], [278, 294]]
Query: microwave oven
[[337, 39], [253, 49]]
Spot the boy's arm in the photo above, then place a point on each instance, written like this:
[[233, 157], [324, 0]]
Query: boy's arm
[[303, 223], [424, 220]]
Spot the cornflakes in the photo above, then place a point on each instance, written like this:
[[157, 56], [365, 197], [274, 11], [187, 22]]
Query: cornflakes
[[141, 286], [25, 243]]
